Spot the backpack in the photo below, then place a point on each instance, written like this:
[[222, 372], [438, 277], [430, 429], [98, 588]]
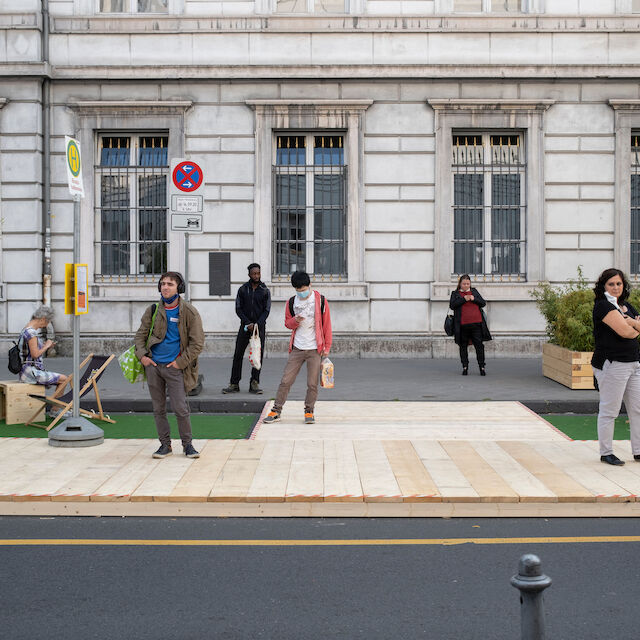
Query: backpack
[[292, 298], [15, 359]]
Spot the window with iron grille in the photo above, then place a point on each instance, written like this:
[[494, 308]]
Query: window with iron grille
[[131, 211], [635, 204], [133, 6], [310, 206], [493, 6], [489, 205], [312, 6]]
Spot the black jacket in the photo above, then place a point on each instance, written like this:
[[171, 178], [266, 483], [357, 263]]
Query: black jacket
[[455, 302], [253, 305]]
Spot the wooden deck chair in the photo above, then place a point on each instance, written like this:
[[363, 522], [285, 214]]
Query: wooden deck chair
[[88, 380]]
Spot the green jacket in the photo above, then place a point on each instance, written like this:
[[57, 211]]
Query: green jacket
[[191, 338]]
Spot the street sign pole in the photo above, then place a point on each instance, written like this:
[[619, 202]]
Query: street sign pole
[[76, 317], [187, 288], [76, 431]]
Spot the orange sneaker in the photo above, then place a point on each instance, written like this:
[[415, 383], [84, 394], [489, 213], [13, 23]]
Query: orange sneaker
[[309, 419], [273, 416]]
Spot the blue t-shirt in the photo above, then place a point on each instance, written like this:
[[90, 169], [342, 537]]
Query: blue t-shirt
[[169, 349]]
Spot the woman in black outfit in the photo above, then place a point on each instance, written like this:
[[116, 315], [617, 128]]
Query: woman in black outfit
[[616, 361], [469, 322]]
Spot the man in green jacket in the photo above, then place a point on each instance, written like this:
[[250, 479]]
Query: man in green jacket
[[170, 358]]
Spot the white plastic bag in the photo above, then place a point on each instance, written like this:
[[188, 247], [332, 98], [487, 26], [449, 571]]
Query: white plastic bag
[[255, 348], [326, 374]]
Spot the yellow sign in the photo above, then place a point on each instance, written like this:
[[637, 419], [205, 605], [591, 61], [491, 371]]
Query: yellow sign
[[76, 289], [68, 289], [73, 157]]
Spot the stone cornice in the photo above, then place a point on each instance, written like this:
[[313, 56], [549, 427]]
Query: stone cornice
[[352, 71], [101, 107], [3, 101], [625, 105], [523, 23], [470, 104], [317, 106]]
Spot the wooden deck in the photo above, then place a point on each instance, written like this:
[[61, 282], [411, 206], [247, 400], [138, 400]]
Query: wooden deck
[[359, 460]]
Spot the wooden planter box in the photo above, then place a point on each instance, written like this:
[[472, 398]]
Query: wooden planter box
[[570, 368]]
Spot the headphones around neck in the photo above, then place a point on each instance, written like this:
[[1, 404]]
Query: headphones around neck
[[174, 275]]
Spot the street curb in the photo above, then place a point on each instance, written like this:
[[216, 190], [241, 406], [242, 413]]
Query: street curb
[[250, 405]]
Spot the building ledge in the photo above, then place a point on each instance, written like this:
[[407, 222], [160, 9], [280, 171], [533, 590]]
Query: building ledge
[[491, 291]]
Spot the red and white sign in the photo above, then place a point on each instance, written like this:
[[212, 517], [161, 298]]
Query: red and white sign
[[187, 176]]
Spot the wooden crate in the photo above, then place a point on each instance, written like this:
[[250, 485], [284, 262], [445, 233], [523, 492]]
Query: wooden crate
[[16, 407], [570, 368]]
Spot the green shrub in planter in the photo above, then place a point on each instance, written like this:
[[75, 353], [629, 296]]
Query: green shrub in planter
[[574, 320], [568, 312]]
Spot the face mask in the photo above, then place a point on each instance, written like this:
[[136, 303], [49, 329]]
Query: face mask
[[303, 294], [169, 300]]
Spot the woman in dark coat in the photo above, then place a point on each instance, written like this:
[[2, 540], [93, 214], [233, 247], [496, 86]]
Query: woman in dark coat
[[469, 322]]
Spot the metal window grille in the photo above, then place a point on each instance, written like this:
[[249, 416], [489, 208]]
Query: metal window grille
[[131, 215], [312, 6], [489, 206], [494, 6], [634, 267], [133, 6], [310, 207]]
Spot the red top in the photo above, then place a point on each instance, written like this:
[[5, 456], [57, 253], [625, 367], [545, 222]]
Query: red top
[[470, 310]]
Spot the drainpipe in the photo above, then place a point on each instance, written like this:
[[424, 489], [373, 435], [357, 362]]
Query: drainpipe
[[46, 169], [46, 163]]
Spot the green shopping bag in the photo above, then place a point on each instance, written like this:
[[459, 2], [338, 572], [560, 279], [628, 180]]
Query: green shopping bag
[[132, 368]]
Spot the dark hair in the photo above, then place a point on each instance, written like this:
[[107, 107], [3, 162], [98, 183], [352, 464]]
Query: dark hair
[[300, 279], [464, 276], [176, 277], [607, 274], [253, 265]]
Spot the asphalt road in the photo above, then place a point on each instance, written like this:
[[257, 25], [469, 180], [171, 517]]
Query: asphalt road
[[275, 589]]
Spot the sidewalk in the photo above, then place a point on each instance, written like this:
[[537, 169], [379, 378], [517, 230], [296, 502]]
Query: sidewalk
[[381, 379]]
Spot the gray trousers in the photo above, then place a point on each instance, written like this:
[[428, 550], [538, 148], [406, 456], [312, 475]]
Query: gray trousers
[[163, 381], [618, 381], [297, 357]]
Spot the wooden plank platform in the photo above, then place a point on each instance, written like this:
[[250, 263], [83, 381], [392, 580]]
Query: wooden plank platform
[[409, 421], [507, 466]]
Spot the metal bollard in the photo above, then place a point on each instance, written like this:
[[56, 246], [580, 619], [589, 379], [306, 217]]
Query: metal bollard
[[531, 582]]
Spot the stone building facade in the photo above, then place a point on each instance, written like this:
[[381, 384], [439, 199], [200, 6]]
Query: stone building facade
[[386, 146]]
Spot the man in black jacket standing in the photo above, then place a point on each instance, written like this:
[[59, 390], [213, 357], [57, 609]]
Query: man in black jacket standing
[[253, 304]]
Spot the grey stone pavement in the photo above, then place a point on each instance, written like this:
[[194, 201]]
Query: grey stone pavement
[[383, 379]]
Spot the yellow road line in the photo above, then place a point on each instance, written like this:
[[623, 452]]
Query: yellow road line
[[309, 543]]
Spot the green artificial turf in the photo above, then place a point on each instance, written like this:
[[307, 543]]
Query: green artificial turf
[[141, 425], [586, 427]]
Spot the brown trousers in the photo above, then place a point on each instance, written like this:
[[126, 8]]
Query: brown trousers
[[165, 381], [297, 357]]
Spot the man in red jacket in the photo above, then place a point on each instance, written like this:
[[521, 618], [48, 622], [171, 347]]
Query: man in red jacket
[[307, 315]]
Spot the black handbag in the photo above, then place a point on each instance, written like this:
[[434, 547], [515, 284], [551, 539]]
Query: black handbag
[[448, 324]]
